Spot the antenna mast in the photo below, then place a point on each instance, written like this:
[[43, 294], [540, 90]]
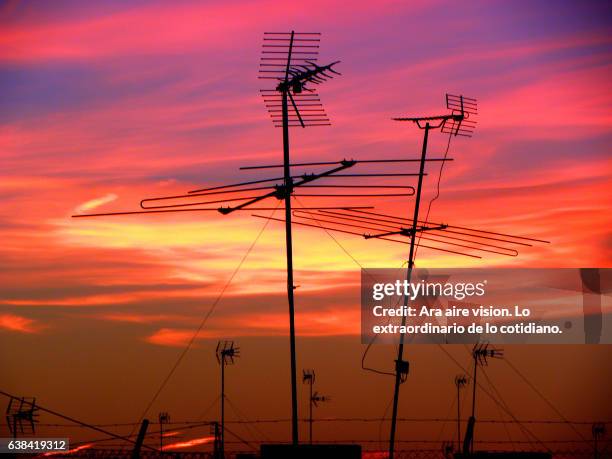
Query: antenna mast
[[226, 352], [455, 124], [480, 353]]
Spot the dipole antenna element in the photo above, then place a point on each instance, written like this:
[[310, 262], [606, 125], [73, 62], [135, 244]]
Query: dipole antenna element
[[21, 415], [226, 353]]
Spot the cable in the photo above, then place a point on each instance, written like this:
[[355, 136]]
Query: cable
[[249, 444], [365, 353], [450, 410], [450, 136], [214, 402], [382, 420], [548, 402], [186, 424], [204, 320], [244, 420], [68, 418], [525, 429], [503, 402]]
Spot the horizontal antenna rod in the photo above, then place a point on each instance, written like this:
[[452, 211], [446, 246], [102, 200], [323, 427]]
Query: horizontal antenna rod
[[513, 252], [327, 163], [170, 206], [352, 195], [404, 187], [253, 182], [139, 212], [281, 191], [360, 218], [360, 234], [468, 229]]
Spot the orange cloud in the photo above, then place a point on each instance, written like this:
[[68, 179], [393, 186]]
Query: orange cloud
[[19, 324], [189, 443], [170, 337]]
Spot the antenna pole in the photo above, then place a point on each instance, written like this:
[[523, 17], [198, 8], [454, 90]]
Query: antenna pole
[[310, 414], [222, 446], [458, 419], [289, 245], [473, 419], [140, 439], [401, 367]]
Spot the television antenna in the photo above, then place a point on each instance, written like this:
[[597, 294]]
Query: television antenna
[[460, 382], [226, 352], [21, 416], [308, 377], [164, 418], [457, 240], [598, 430], [481, 353], [289, 62], [314, 398]]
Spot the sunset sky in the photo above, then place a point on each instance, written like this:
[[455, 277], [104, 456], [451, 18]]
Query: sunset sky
[[106, 103]]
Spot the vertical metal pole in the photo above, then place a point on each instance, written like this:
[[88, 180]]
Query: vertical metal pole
[[473, 420], [458, 420], [400, 350], [161, 435], [216, 441], [310, 415], [222, 448], [140, 439], [289, 245]]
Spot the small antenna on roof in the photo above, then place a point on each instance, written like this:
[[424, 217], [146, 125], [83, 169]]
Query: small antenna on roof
[[460, 382], [21, 416], [164, 418], [314, 398], [481, 353], [226, 352]]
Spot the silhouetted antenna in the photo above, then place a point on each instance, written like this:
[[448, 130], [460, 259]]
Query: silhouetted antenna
[[457, 240], [308, 377], [318, 398], [460, 382], [226, 352], [458, 122], [289, 63], [164, 418], [447, 449], [599, 431], [441, 237], [481, 353], [289, 58], [314, 398], [27, 408], [214, 430], [21, 416]]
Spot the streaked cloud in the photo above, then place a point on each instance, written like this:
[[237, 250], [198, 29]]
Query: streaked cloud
[[95, 203], [19, 324]]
